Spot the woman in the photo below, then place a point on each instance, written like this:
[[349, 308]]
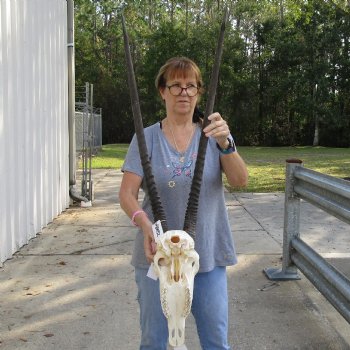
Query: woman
[[172, 147]]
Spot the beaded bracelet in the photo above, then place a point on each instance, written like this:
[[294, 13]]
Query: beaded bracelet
[[137, 212]]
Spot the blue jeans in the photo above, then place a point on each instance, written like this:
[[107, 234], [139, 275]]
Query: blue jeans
[[209, 308]]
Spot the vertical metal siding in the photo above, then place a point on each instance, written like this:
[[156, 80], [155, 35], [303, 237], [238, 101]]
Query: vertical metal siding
[[34, 176]]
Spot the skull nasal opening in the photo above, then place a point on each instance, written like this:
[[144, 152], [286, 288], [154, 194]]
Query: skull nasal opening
[[175, 239]]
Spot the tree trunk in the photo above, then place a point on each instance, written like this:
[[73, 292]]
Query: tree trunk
[[317, 130], [315, 118], [186, 18], [282, 11]]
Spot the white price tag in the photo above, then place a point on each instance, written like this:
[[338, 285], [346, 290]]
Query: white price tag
[[151, 273], [157, 234], [157, 230]]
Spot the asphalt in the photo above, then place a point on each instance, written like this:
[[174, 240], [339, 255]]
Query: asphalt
[[72, 287]]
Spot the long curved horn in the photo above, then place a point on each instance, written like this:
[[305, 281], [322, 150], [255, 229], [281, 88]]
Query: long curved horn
[[157, 209], [193, 200]]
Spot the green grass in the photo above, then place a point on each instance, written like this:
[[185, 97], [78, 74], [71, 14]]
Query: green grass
[[111, 157], [266, 165]]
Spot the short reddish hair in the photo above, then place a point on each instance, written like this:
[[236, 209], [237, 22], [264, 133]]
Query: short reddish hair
[[178, 67]]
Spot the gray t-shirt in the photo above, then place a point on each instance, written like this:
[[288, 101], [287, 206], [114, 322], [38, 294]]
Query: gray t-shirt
[[214, 242]]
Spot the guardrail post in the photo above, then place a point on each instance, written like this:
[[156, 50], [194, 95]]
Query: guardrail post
[[291, 227]]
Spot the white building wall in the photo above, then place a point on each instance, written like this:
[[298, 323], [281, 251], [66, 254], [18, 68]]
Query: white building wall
[[34, 173]]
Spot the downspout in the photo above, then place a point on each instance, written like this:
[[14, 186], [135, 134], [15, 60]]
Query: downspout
[[71, 104]]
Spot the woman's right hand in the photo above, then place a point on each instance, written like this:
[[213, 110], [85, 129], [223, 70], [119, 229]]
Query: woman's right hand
[[149, 244]]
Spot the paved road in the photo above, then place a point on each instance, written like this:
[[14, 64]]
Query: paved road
[[72, 286]]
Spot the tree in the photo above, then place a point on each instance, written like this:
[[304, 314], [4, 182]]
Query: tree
[[284, 73]]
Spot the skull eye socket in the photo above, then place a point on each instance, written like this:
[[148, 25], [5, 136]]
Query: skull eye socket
[[162, 262], [175, 239]]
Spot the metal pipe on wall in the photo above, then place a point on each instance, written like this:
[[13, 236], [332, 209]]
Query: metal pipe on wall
[[71, 104]]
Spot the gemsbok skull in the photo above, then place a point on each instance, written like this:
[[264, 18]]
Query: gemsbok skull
[[176, 262]]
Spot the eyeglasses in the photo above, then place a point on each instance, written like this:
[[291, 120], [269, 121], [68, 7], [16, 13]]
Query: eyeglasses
[[176, 90]]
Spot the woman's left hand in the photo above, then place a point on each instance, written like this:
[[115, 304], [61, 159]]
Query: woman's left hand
[[218, 129]]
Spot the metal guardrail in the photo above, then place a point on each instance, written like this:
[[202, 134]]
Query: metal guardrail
[[331, 195]]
